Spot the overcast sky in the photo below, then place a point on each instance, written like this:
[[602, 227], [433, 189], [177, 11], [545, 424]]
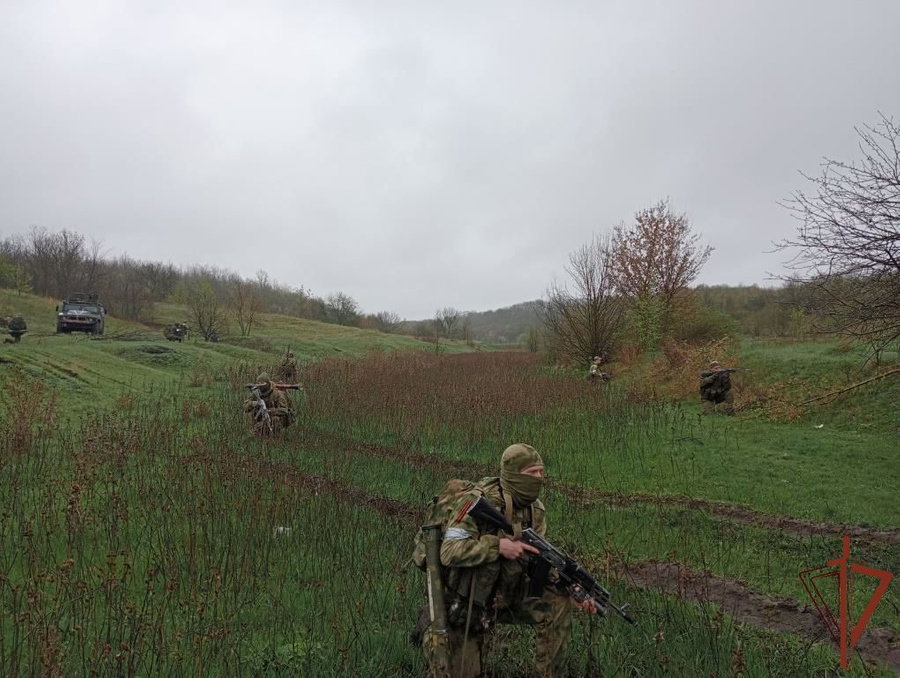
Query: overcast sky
[[422, 154]]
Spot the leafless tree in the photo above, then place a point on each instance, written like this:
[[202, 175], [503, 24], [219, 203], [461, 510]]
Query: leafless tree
[[388, 321], [467, 331], [125, 288], [245, 304], [587, 318], [532, 339], [448, 318], [847, 247], [205, 309], [657, 257]]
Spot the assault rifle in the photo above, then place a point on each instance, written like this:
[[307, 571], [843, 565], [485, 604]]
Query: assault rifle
[[724, 370], [580, 583], [260, 411]]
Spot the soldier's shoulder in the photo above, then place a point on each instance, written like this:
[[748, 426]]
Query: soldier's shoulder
[[489, 488], [538, 505]]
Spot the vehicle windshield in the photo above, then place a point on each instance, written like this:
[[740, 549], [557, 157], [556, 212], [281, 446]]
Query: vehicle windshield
[[90, 308]]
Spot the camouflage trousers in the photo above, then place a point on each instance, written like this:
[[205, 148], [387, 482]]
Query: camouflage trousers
[[723, 403], [551, 615]]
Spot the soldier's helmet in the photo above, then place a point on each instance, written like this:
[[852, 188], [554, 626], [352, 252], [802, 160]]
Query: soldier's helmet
[[290, 354]]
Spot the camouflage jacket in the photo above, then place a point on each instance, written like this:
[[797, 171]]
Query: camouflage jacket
[[275, 400], [470, 549], [714, 382]]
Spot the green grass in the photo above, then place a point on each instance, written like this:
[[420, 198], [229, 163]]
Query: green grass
[[167, 555], [794, 469], [169, 496]]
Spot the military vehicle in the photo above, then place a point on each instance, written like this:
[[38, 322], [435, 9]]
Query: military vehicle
[[176, 332], [80, 313]]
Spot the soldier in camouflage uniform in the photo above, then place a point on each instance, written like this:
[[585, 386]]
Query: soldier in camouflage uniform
[[279, 407], [495, 572], [715, 390], [16, 328], [288, 369], [594, 371]]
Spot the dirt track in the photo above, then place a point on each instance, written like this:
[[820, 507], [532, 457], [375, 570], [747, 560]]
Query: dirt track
[[721, 509], [753, 608]]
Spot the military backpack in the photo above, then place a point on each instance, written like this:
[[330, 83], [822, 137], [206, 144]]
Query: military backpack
[[438, 511]]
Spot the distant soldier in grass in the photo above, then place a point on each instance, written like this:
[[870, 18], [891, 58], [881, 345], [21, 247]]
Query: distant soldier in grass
[[288, 370], [594, 371], [16, 328], [277, 414], [491, 578], [715, 389]]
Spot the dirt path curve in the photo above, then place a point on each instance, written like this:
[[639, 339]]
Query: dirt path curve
[[673, 578], [721, 509], [753, 608]]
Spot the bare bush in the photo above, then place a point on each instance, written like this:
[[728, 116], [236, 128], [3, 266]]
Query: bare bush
[[586, 319], [245, 304], [387, 321], [206, 311], [342, 309]]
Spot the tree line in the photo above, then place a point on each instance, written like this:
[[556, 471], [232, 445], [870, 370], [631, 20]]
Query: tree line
[[58, 264]]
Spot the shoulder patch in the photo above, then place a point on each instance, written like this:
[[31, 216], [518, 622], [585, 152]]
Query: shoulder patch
[[463, 510]]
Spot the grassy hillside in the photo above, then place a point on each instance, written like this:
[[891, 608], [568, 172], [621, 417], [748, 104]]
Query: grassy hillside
[[136, 357]]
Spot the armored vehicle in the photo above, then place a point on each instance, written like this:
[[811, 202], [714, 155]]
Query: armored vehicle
[[80, 313], [176, 332]]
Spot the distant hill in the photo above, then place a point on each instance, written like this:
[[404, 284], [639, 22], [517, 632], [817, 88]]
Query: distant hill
[[504, 325], [758, 312]]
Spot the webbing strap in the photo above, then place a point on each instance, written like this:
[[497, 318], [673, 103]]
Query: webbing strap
[[517, 526]]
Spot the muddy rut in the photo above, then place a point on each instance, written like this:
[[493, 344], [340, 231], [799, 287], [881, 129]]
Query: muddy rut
[[744, 604], [721, 509], [753, 608]]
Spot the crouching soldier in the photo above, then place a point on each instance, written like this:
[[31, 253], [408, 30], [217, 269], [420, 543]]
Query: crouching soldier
[[489, 577], [16, 328], [715, 389], [270, 407]]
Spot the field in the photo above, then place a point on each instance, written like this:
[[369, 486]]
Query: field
[[145, 532]]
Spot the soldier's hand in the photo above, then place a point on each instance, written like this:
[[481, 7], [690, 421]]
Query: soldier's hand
[[513, 550], [588, 606]]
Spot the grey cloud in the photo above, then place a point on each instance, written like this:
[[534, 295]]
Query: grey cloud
[[417, 155]]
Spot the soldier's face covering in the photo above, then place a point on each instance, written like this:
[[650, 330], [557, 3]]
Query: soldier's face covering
[[265, 384], [525, 488]]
